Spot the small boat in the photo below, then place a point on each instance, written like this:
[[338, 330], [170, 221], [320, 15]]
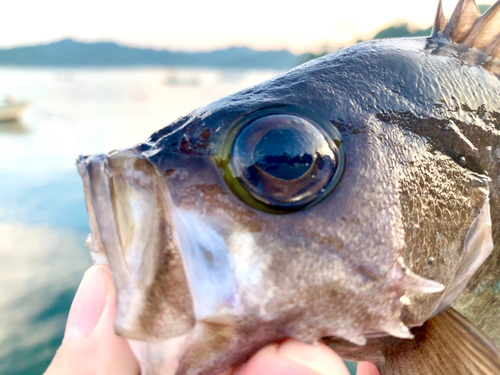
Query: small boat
[[12, 111], [174, 80]]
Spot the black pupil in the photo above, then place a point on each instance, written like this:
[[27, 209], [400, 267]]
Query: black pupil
[[284, 153]]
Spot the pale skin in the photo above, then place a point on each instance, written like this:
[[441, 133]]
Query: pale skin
[[90, 345]]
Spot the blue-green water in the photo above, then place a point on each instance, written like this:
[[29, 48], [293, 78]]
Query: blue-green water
[[43, 221]]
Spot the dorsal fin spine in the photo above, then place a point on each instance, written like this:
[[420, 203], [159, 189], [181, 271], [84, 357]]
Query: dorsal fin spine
[[495, 52], [486, 31], [439, 21], [463, 18]]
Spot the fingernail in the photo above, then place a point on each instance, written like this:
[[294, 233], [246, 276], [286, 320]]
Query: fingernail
[[89, 302], [317, 358]]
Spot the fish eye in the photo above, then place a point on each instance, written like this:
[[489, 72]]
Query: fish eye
[[282, 163]]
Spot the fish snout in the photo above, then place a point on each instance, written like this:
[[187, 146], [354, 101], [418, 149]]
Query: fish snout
[[127, 201]]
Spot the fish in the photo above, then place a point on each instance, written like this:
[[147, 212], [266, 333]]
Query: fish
[[353, 200]]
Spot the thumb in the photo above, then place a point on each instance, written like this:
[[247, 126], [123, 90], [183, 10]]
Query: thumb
[[90, 345], [291, 357]]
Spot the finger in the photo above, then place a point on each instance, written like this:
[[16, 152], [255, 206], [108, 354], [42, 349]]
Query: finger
[[292, 357], [367, 368], [90, 345]]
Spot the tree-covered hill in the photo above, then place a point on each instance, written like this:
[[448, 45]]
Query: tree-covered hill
[[69, 52]]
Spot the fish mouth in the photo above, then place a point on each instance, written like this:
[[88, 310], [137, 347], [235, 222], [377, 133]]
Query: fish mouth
[[131, 229]]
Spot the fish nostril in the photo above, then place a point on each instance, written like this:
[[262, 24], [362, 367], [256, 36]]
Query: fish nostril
[[205, 135], [185, 144]]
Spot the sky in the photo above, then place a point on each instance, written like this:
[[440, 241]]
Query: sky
[[195, 25]]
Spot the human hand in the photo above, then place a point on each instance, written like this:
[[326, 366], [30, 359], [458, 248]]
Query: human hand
[[90, 345]]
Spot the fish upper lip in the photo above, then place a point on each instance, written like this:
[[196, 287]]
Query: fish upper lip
[[95, 173]]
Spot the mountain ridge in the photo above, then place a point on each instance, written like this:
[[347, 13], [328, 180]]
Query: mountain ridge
[[69, 52]]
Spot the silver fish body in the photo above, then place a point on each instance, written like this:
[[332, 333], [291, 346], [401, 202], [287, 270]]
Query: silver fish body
[[352, 197]]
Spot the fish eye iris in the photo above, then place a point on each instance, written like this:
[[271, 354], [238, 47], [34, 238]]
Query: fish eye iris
[[283, 163]]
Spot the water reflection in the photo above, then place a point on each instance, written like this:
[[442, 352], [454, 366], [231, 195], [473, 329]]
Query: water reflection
[[54, 200], [38, 282]]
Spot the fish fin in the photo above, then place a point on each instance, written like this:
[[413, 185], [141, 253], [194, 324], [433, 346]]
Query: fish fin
[[463, 18], [446, 344], [439, 21], [485, 32], [494, 49], [478, 245]]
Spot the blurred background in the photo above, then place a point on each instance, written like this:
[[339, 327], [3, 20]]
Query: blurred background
[[89, 77]]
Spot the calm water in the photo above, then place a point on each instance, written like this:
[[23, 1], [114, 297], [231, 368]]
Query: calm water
[[43, 222]]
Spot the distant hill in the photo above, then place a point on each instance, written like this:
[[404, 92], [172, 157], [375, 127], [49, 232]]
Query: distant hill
[[401, 31], [69, 52]]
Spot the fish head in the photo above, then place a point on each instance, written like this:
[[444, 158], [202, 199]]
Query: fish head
[[302, 207]]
